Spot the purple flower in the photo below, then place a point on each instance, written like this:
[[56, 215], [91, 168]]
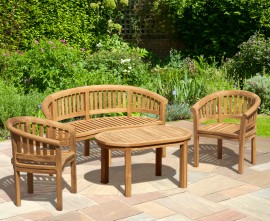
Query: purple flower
[[5, 54], [36, 41], [63, 41], [53, 47], [51, 42], [21, 52]]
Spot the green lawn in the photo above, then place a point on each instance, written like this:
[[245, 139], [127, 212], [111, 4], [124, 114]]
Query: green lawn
[[263, 125]]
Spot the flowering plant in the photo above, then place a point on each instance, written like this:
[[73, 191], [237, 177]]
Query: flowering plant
[[48, 65]]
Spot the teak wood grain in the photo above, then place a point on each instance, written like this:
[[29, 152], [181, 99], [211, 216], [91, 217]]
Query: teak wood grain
[[142, 138], [84, 108], [229, 104], [42, 146]]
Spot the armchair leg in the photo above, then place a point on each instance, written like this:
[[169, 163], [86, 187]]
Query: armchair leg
[[17, 188], [59, 197], [30, 182], [253, 150], [73, 177], [241, 157], [219, 148], [196, 151]]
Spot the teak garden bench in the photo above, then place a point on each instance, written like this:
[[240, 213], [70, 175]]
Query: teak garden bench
[[85, 107], [230, 104]]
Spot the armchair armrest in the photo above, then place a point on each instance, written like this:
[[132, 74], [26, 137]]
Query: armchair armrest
[[32, 128]]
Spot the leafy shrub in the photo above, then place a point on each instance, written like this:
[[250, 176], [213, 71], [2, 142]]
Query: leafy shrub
[[117, 62], [253, 58], [14, 103], [260, 85], [177, 112], [48, 65], [186, 80]]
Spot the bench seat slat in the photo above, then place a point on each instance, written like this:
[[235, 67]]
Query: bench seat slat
[[87, 129]]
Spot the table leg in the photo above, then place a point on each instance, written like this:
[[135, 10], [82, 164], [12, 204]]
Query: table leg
[[183, 165], [159, 152], [104, 165], [127, 172]]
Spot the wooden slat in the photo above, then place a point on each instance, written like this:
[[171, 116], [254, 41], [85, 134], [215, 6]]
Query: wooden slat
[[109, 94], [114, 97]]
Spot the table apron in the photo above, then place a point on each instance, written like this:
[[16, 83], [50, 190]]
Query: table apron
[[143, 147]]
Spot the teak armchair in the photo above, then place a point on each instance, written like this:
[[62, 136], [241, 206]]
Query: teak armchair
[[232, 104], [41, 146]]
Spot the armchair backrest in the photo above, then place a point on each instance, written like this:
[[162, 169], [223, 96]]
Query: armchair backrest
[[39, 141], [227, 104]]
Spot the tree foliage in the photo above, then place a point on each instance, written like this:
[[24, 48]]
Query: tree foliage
[[214, 27]]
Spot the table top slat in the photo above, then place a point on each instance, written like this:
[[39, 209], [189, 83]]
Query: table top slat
[[143, 136]]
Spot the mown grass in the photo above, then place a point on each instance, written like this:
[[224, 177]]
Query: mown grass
[[263, 126]]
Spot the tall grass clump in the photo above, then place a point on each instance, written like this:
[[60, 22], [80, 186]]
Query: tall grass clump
[[14, 103], [186, 80]]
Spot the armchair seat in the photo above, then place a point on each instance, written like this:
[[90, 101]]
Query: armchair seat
[[222, 130]]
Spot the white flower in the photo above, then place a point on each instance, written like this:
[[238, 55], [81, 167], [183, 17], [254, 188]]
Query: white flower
[[124, 60], [99, 45]]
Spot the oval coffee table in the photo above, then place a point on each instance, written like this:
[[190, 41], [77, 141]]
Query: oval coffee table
[[140, 138]]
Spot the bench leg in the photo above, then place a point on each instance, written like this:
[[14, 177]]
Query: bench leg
[[104, 165], [30, 184], [219, 148], [127, 172], [183, 165], [159, 152], [86, 147], [253, 150]]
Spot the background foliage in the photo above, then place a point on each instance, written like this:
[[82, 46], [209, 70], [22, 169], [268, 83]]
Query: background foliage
[[78, 22], [47, 45], [252, 58], [211, 27]]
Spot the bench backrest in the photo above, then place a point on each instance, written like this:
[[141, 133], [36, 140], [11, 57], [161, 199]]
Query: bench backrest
[[102, 99], [226, 104]]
